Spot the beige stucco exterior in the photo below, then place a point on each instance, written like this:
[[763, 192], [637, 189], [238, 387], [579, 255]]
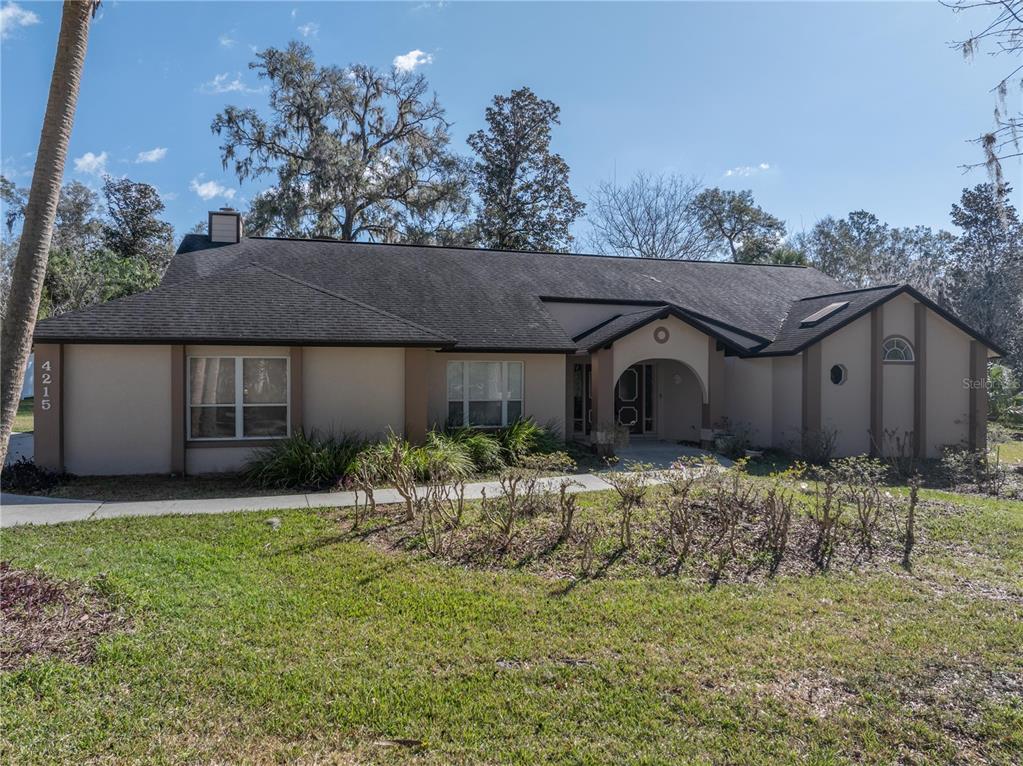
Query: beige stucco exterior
[[845, 408], [685, 344], [948, 395], [749, 396], [543, 386], [786, 401], [354, 390], [117, 409]]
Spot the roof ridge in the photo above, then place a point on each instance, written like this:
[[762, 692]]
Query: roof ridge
[[339, 296], [145, 293], [849, 292], [525, 252]]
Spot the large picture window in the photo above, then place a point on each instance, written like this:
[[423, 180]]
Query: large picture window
[[487, 394], [243, 397]]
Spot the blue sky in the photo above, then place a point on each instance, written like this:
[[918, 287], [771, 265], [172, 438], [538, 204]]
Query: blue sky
[[819, 108]]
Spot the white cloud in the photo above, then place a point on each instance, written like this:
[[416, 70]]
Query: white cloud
[[409, 61], [93, 164], [207, 190], [309, 29], [227, 41], [222, 83], [13, 16], [747, 170], [153, 155], [294, 12]]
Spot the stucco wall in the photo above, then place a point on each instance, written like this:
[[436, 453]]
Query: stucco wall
[[679, 406], [749, 400], [898, 380], [786, 401], [948, 399], [579, 317], [685, 344], [899, 317], [354, 389], [845, 408], [117, 409], [543, 387]]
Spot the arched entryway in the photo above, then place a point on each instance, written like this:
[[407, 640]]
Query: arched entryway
[[661, 399]]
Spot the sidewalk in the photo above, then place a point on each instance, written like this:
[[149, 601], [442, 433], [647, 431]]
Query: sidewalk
[[32, 509]]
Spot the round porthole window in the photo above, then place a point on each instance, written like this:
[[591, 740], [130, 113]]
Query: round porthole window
[[839, 374], [661, 335]]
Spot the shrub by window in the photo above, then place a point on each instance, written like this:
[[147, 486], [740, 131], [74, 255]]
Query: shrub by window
[[237, 397], [487, 394], [839, 374], [896, 349]]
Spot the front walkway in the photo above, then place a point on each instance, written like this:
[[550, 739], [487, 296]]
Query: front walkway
[[34, 509]]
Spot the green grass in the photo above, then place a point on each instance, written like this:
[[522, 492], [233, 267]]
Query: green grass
[[24, 420], [306, 643]]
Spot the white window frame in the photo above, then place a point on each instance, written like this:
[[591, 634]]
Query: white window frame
[[239, 394], [505, 398], [885, 348]]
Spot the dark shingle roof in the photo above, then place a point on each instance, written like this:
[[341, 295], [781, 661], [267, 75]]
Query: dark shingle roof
[[793, 337], [347, 293], [251, 304], [491, 299]]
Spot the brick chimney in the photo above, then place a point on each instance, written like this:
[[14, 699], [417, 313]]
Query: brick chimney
[[225, 225]]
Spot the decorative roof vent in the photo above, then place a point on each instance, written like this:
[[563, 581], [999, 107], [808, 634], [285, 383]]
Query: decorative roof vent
[[819, 316], [225, 225]]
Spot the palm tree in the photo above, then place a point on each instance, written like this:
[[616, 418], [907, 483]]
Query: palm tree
[[34, 248]]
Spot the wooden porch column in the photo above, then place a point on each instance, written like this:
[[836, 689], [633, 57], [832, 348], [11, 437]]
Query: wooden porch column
[[811, 394], [603, 389], [416, 394], [47, 407], [978, 396], [178, 413], [297, 390], [876, 382], [920, 382], [714, 407]]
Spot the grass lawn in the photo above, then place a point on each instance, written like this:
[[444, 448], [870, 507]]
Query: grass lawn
[[308, 643], [23, 421]]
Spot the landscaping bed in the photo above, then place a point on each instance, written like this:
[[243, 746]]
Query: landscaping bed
[[307, 641]]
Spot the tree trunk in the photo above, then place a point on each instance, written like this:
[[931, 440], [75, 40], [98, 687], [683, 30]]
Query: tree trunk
[[34, 248]]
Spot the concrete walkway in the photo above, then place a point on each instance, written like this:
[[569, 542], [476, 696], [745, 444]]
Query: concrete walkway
[[32, 509]]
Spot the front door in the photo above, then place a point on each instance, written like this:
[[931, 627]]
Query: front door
[[634, 399]]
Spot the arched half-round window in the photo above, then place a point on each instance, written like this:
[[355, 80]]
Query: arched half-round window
[[896, 349]]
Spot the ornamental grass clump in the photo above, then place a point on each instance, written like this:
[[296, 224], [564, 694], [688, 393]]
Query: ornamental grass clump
[[319, 461]]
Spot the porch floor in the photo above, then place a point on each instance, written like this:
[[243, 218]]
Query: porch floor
[[661, 454]]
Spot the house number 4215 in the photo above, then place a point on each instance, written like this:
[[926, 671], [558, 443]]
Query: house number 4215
[[46, 380]]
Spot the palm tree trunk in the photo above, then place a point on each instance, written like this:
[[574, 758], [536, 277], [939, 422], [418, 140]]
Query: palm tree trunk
[[34, 248]]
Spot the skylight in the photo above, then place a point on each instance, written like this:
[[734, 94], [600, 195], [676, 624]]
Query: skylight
[[819, 316]]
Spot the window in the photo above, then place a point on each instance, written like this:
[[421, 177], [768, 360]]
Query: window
[[487, 394], [896, 349], [819, 316], [238, 397], [839, 374]]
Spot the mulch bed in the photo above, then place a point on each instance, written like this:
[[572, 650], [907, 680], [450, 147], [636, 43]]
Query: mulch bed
[[44, 618]]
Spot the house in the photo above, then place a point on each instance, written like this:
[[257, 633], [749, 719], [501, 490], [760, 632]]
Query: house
[[249, 339]]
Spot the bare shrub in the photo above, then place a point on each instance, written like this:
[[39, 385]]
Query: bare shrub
[[776, 520], [861, 488], [825, 513], [631, 485], [587, 547], [979, 469], [567, 506], [818, 445], [441, 508]]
